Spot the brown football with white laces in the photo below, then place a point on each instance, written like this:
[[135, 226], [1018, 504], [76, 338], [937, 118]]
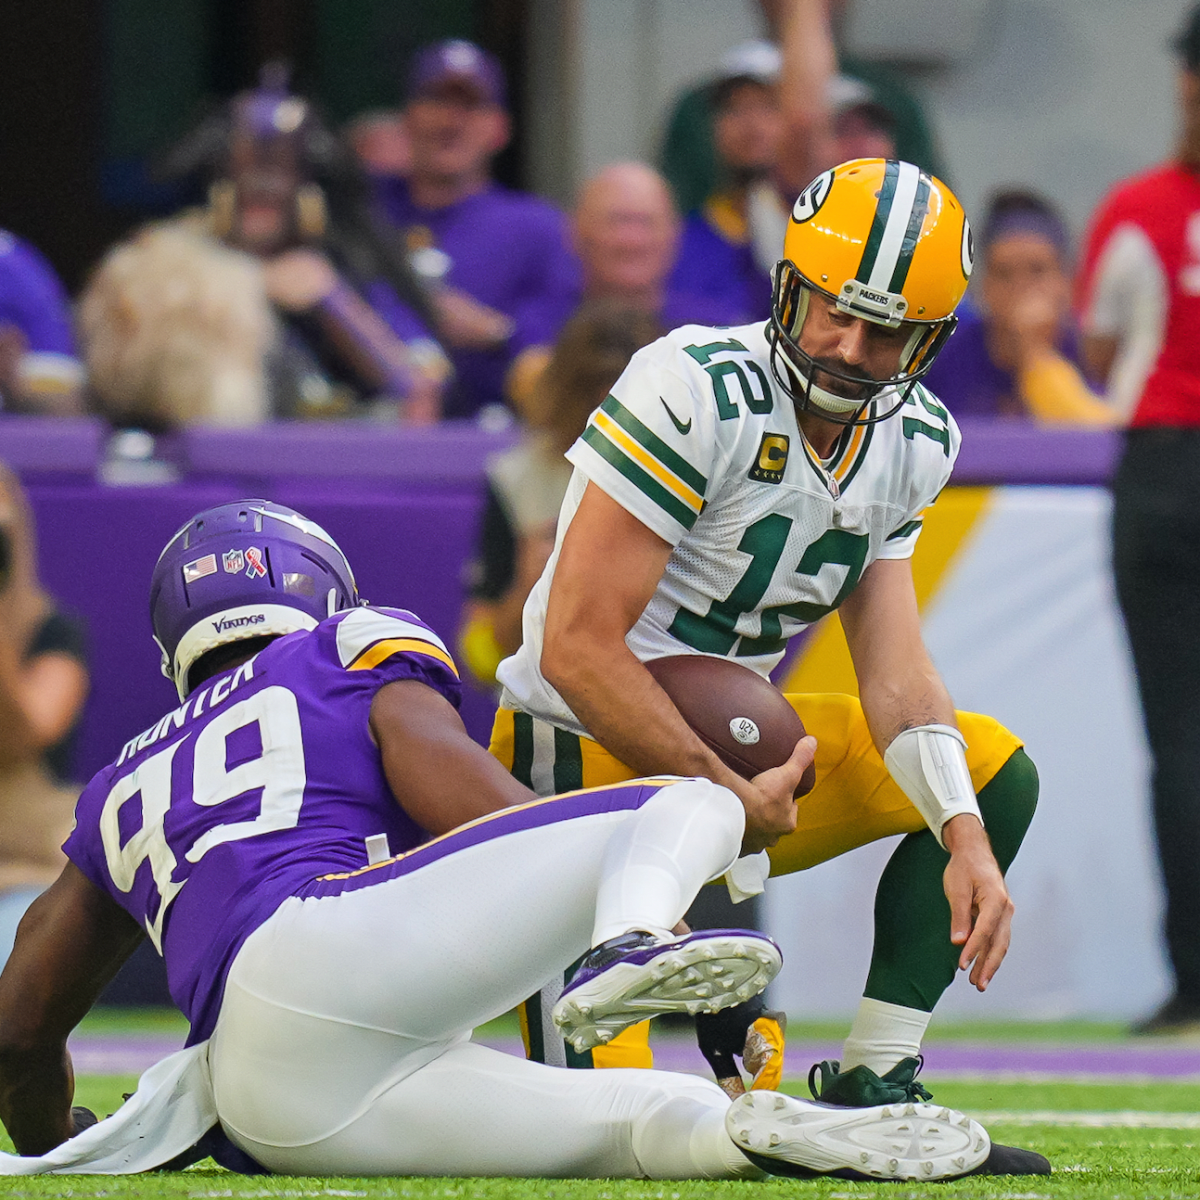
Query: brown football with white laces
[[742, 717]]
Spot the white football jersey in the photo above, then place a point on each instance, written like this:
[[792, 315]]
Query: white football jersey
[[700, 444]]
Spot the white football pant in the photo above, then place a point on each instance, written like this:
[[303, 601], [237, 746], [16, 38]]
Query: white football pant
[[342, 1043]]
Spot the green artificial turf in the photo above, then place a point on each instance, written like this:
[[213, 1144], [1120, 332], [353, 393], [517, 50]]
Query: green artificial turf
[[1114, 1161]]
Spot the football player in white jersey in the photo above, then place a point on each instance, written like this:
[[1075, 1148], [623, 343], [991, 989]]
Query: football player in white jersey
[[736, 486]]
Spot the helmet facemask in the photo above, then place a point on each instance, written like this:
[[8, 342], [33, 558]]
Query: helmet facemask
[[795, 370]]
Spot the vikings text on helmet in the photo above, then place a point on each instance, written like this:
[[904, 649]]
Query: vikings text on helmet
[[240, 570]]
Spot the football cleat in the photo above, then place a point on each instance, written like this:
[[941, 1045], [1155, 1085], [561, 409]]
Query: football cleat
[[783, 1135], [861, 1086], [635, 976]]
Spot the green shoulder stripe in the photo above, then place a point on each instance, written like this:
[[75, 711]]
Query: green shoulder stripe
[[904, 530], [654, 444], [644, 481]]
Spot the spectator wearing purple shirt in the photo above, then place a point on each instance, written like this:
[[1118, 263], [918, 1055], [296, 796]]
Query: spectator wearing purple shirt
[[774, 130], [716, 253], [501, 269], [39, 368], [625, 231], [1019, 356]]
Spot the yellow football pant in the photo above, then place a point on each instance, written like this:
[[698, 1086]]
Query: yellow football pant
[[854, 801]]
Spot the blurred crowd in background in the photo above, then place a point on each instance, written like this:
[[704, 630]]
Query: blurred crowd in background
[[380, 272]]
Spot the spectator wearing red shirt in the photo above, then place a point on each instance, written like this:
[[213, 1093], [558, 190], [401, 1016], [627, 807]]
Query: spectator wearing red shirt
[[1140, 307]]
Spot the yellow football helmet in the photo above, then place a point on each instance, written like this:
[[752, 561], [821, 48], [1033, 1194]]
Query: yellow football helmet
[[886, 242]]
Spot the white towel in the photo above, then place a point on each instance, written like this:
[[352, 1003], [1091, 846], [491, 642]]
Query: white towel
[[172, 1109]]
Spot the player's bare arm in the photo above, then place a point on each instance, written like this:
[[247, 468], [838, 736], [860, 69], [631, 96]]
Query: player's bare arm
[[438, 775], [69, 945], [900, 690], [608, 569]]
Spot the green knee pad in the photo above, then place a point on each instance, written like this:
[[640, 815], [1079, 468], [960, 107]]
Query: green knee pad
[[914, 961]]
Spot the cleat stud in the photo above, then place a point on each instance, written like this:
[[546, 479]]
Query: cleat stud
[[605, 1035], [959, 1162], [885, 1114], [910, 1110], [780, 1103], [774, 1140], [927, 1167]]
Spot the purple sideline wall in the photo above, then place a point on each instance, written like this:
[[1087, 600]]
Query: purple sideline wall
[[403, 504]]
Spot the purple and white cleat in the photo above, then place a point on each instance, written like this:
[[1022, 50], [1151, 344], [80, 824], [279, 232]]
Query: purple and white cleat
[[635, 976]]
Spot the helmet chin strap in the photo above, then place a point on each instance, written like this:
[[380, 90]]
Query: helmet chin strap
[[817, 397]]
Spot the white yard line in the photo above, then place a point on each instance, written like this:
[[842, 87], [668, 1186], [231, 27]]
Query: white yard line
[[1092, 1120]]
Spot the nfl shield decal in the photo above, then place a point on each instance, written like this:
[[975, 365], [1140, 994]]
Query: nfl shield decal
[[234, 562]]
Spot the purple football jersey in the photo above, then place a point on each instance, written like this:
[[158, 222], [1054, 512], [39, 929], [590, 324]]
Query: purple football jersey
[[265, 779]]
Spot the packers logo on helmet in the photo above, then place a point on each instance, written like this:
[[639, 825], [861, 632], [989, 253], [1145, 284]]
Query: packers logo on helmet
[[809, 202], [885, 242]]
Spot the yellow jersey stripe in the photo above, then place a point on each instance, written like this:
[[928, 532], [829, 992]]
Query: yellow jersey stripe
[[616, 434], [372, 656], [843, 468]]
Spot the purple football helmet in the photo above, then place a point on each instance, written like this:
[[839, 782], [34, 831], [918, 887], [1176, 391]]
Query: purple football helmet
[[241, 570]]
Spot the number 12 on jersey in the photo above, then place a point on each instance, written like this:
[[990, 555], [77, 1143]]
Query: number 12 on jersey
[[715, 631]]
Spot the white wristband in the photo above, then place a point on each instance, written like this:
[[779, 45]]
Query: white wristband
[[930, 765]]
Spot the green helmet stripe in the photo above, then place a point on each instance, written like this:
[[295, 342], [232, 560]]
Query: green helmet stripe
[[887, 193], [916, 218]]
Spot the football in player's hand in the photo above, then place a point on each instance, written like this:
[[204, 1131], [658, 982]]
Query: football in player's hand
[[742, 717]]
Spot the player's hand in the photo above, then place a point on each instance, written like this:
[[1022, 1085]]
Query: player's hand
[[980, 907], [769, 798]]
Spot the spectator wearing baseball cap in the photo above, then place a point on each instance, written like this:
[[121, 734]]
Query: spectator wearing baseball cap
[[691, 163], [716, 254], [497, 260], [774, 130]]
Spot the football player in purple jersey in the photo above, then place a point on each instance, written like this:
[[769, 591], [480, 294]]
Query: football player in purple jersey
[[343, 885]]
